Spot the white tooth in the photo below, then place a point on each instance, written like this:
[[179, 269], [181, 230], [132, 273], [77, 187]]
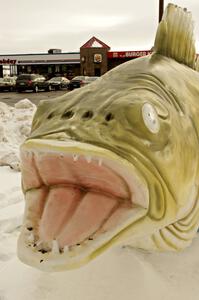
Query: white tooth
[[55, 247], [28, 154], [88, 159], [100, 162], [31, 238], [39, 243], [75, 157], [66, 249], [49, 244]]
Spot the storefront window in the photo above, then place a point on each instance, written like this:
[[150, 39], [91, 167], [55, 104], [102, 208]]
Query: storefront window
[[50, 69], [57, 69]]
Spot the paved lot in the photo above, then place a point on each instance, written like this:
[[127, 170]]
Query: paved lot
[[11, 98]]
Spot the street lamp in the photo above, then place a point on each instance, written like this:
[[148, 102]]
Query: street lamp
[[161, 9]]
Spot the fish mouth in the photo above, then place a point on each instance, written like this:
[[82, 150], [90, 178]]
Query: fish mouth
[[79, 200]]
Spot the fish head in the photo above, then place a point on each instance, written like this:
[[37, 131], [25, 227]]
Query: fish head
[[103, 165], [113, 162]]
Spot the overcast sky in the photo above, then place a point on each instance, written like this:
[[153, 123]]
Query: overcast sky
[[34, 26]]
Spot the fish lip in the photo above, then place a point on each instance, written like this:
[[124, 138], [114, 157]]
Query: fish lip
[[70, 260], [121, 166], [79, 149]]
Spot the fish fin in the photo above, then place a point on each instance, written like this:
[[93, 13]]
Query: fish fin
[[174, 37]]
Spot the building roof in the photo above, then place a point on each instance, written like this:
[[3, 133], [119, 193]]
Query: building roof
[[95, 43]]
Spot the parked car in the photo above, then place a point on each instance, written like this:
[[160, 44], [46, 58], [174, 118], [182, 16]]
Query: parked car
[[90, 79], [32, 82], [77, 82], [7, 84], [58, 83]]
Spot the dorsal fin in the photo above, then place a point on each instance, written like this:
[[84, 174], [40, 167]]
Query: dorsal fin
[[174, 37]]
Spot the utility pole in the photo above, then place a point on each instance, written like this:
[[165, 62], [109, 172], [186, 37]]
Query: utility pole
[[161, 9]]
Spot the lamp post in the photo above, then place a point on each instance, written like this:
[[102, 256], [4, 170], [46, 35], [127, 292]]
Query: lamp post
[[161, 9]]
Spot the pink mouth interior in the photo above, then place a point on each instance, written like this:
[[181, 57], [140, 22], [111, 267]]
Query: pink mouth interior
[[71, 198]]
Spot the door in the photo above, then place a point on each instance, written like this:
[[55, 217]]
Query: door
[[97, 72]]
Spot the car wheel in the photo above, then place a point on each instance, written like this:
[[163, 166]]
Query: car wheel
[[36, 89]]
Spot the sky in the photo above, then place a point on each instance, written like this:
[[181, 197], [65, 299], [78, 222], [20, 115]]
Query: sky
[[34, 26]]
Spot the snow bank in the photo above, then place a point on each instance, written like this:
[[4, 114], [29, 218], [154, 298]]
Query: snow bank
[[15, 125], [11, 213]]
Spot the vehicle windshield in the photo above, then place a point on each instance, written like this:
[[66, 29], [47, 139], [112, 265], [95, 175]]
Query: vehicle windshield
[[92, 78], [79, 78], [55, 79], [6, 79], [26, 77]]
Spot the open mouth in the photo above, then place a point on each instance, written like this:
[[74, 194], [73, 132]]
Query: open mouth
[[78, 197]]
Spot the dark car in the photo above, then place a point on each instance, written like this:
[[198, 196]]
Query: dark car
[[77, 82], [7, 84], [59, 83], [32, 82]]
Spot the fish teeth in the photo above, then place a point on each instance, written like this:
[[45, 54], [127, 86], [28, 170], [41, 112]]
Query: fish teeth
[[39, 243], [55, 247], [31, 238], [28, 154], [66, 249], [88, 159], [75, 157]]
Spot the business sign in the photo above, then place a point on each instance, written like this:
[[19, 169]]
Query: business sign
[[97, 58], [8, 61], [128, 54]]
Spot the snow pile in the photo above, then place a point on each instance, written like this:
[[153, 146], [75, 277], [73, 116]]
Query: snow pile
[[15, 125], [11, 212]]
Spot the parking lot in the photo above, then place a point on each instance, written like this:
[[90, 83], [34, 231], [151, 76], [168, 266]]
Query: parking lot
[[11, 98]]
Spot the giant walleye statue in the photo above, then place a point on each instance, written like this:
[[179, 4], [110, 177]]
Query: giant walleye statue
[[116, 162]]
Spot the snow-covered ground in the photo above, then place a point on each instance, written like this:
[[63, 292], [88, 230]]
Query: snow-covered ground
[[15, 123], [117, 274]]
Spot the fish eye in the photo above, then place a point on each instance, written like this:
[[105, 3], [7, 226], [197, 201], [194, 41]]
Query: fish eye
[[150, 118]]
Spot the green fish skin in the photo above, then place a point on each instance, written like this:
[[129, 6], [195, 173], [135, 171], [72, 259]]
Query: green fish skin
[[116, 162]]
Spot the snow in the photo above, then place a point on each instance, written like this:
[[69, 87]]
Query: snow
[[119, 273], [15, 124]]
